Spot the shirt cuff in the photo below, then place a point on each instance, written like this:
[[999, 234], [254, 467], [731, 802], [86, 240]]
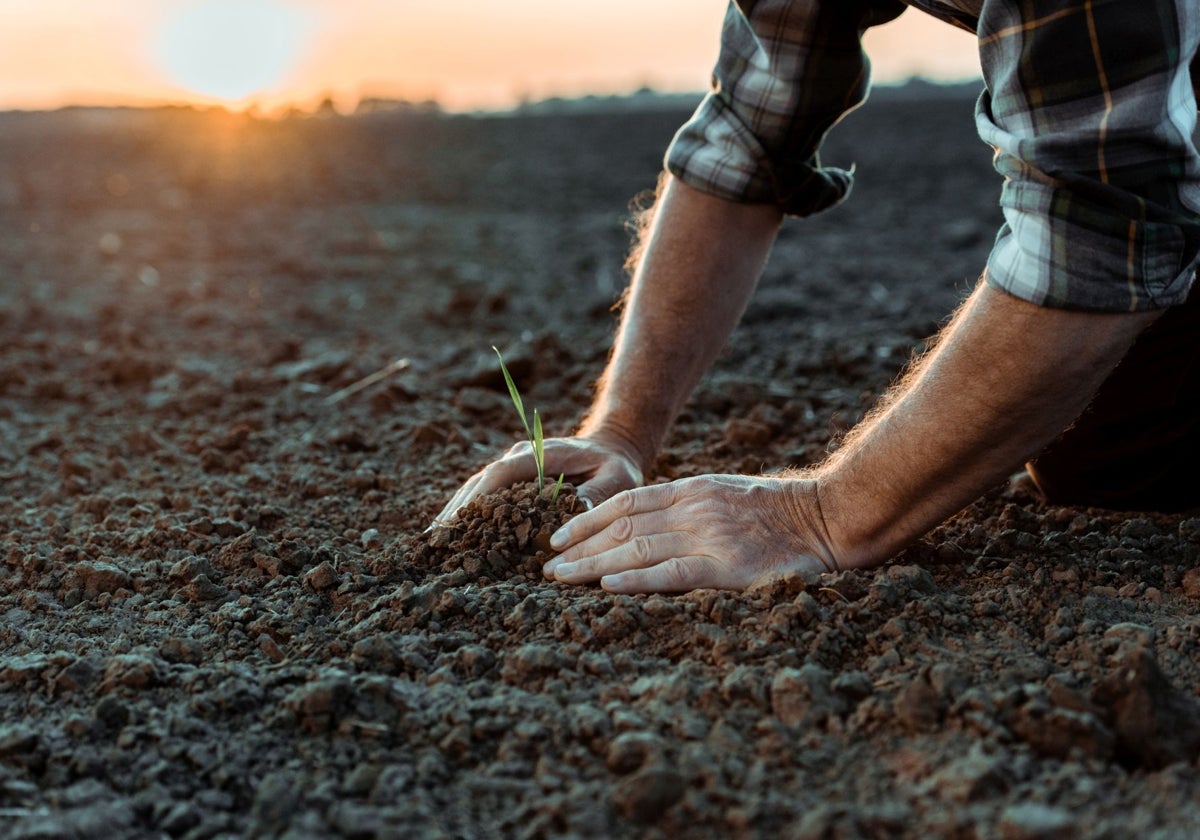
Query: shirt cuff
[[1072, 241], [716, 153], [1066, 265]]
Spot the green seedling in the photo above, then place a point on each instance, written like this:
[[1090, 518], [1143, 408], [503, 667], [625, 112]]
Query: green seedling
[[537, 440]]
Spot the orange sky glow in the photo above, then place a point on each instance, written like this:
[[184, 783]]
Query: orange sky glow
[[467, 54]]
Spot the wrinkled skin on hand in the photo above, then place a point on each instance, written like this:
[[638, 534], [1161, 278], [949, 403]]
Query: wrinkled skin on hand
[[598, 469], [712, 531]]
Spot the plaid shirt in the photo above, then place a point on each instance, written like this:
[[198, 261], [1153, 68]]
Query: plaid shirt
[[1088, 104]]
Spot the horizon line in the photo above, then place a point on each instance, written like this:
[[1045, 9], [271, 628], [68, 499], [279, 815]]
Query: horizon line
[[366, 102]]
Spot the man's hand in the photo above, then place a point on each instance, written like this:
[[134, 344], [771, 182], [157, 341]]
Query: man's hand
[[702, 258], [599, 469], [713, 531], [1006, 378]]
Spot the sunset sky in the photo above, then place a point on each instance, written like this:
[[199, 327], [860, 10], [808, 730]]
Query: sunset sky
[[466, 53]]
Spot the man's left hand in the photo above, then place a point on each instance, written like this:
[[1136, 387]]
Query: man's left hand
[[712, 531]]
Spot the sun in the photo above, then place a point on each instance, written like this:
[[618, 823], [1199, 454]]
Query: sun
[[231, 49]]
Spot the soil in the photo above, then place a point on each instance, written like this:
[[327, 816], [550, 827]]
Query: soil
[[222, 615]]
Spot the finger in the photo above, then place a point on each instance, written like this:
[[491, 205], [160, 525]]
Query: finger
[[627, 503], [517, 465], [608, 482], [638, 553], [622, 531], [458, 500], [676, 574]]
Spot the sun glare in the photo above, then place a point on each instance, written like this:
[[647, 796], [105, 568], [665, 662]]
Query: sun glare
[[231, 49]]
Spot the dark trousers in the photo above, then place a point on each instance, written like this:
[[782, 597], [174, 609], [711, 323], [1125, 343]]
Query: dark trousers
[[1137, 447]]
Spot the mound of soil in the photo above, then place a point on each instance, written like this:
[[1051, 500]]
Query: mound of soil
[[222, 615], [500, 535]]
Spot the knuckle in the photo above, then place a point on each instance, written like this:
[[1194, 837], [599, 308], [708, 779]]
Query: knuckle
[[623, 502], [708, 506], [640, 549], [676, 573], [693, 490], [518, 450], [586, 566], [622, 529]]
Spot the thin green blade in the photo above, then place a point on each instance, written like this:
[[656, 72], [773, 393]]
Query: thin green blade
[[514, 394], [539, 447]]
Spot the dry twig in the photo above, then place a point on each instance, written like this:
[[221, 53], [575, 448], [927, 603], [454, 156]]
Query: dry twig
[[367, 381]]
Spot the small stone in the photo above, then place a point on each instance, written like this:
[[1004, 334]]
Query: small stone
[[323, 576], [1060, 732], [371, 539], [112, 712], [226, 528], [130, 670], [97, 577], [202, 588], [318, 704], [542, 538], [1155, 723], [361, 780], [182, 817], [189, 568], [913, 578], [275, 803], [348, 819], [1189, 529], [270, 648], [919, 705], [970, 778], [746, 431], [802, 697], [176, 649], [79, 726], [854, 685], [86, 792], [1191, 583], [1131, 590], [523, 529], [1034, 821], [441, 537], [15, 740], [531, 662], [645, 795], [1126, 632], [631, 750]]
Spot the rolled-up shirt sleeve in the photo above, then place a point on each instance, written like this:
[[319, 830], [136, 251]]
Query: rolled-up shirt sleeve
[[787, 72], [1091, 112]]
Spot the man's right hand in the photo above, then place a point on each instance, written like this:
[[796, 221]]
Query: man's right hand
[[702, 257], [598, 469]]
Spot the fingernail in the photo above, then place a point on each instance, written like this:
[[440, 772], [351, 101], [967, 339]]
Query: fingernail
[[564, 570], [548, 569], [559, 538], [588, 504]]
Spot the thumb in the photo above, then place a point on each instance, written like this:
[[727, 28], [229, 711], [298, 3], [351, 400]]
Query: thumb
[[603, 487], [593, 492]]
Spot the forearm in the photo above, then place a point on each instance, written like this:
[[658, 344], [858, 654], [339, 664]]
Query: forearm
[[1006, 378], [702, 259]]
